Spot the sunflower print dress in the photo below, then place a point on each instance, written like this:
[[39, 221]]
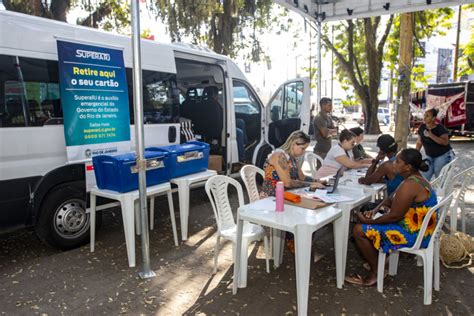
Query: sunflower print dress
[[402, 234]]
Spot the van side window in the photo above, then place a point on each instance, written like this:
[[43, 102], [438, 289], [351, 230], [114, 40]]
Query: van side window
[[276, 106], [293, 99], [244, 99], [29, 92], [160, 97]]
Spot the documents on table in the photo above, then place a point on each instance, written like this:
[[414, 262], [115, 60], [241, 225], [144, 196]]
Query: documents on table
[[331, 198], [356, 172]]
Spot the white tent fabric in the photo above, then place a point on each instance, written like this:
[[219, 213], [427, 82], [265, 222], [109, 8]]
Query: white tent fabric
[[334, 10]]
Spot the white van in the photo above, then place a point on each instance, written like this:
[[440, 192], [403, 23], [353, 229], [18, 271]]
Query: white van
[[38, 188]]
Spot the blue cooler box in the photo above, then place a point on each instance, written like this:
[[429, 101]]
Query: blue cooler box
[[119, 173], [187, 158]]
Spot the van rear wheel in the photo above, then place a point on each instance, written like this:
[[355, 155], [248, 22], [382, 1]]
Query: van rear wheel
[[63, 221]]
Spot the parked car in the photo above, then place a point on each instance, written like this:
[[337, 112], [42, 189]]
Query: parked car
[[383, 115], [358, 116], [245, 108]]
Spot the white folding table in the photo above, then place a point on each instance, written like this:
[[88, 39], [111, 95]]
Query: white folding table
[[352, 180], [184, 184], [302, 223], [127, 203], [359, 198]]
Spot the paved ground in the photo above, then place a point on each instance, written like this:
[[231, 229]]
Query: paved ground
[[36, 279]]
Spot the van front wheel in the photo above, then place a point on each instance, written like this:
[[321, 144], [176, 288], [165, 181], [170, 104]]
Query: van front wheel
[[63, 221]]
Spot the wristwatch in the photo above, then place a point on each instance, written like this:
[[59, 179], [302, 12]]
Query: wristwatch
[[375, 160]]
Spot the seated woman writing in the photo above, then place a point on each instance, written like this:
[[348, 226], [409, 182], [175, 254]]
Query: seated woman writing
[[400, 224], [341, 156], [385, 172], [283, 164]]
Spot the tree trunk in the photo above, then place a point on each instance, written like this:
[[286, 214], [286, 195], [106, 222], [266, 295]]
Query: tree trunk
[[97, 16], [222, 29], [59, 9], [374, 63], [38, 9], [403, 91], [372, 124]]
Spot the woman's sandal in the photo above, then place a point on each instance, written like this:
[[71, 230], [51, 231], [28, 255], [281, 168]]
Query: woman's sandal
[[358, 280]]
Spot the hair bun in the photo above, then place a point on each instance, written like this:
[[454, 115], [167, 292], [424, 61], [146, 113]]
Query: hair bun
[[424, 165]]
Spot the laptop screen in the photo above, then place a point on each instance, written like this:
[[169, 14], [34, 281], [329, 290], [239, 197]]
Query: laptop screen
[[336, 181]]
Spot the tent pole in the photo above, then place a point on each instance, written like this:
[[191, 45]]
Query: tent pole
[[139, 139], [318, 24]]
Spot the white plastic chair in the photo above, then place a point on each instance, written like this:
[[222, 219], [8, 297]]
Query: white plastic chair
[[248, 173], [464, 178], [313, 161], [217, 191], [442, 183], [429, 255]]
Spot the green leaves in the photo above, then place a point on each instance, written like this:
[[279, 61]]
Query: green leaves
[[428, 23], [466, 58], [227, 26]]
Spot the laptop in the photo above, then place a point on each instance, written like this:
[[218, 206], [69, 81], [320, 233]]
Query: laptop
[[331, 188]]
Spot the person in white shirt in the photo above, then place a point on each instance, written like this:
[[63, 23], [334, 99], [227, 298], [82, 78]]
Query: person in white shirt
[[341, 155]]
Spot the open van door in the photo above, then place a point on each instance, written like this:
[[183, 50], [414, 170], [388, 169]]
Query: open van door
[[288, 111]]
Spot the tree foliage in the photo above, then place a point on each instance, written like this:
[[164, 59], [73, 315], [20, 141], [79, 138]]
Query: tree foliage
[[362, 46], [359, 49], [428, 23], [226, 26], [108, 14], [466, 58]]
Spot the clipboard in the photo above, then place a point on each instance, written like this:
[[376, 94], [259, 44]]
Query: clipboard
[[308, 203]]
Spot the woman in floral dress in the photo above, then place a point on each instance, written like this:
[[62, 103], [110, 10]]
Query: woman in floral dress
[[401, 222]]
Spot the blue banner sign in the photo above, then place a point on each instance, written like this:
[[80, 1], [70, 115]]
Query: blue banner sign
[[94, 98]]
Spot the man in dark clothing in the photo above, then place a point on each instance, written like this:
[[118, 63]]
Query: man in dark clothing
[[323, 128]]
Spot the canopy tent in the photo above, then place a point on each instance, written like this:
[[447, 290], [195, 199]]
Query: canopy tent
[[335, 10]]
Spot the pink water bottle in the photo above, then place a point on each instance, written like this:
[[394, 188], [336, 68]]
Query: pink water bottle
[[279, 191]]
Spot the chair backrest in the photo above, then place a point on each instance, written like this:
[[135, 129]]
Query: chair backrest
[[313, 160], [465, 178], [208, 121], [442, 184], [189, 107], [217, 189], [442, 208], [248, 174]]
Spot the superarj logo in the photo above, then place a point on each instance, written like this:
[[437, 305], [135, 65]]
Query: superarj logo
[[80, 53]]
